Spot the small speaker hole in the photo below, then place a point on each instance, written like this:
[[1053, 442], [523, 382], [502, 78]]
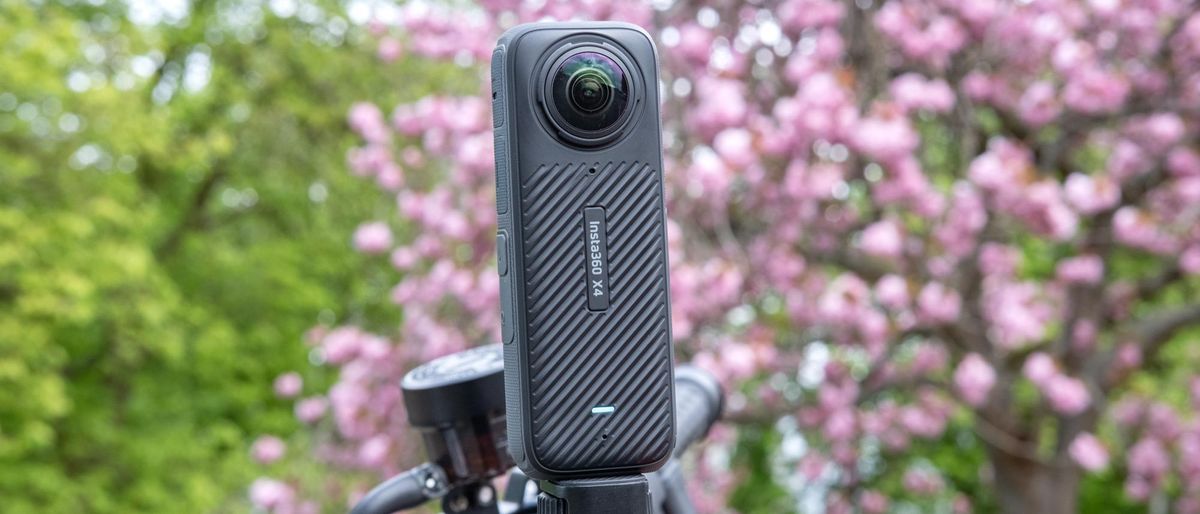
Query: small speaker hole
[[591, 171]]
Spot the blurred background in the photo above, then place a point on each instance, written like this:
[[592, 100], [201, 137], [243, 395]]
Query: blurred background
[[943, 254]]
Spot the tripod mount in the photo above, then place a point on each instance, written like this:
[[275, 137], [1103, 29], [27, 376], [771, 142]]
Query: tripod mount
[[609, 495], [456, 403]]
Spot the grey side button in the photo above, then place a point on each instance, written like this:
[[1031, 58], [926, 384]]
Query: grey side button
[[502, 253]]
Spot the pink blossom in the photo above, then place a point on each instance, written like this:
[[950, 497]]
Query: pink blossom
[[998, 260], [1129, 412], [1083, 334], [978, 13], [1004, 166], [1096, 91], [974, 379], [912, 91], [268, 494], [1135, 228], [1019, 312], [695, 43], [1138, 488], [738, 360], [812, 466], [840, 426], [288, 385], [735, 147], [709, 176], [1161, 131], [1189, 260], [374, 451], [1127, 160], [1184, 162], [369, 159], [938, 304], [886, 137], [1148, 459], [873, 502], [404, 258], [977, 86], [798, 15], [883, 239], [961, 505], [1128, 356], [964, 218], [1091, 194], [341, 344], [366, 119], [310, 410], [390, 49], [922, 481], [928, 358], [1042, 207], [1089, 452], [923, 36], [1067, 395], [1081, 269], [844, 298], [1039, 104], [722, 104], [267, 449], [1039, 368], [373, 238], [390, 177], [1071, 55], [1163, 423], [892, 292]]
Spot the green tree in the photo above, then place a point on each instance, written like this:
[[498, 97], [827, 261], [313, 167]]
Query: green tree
[[173, 216]]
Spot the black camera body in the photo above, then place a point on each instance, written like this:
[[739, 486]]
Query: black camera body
[[582, 250]]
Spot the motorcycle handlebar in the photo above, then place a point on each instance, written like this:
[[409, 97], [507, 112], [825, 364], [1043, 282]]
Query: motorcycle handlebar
[[404, 491], [698, 404]]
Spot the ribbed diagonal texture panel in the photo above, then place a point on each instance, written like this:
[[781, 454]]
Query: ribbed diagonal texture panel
[[574, 350]]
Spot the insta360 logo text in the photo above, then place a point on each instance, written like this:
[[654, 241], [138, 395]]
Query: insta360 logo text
[[597, 258], [596, 251]]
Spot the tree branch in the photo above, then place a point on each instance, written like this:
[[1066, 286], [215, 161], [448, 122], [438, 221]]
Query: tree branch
[[1149, 288], [849, 260], [193, 217], [1151, 335]]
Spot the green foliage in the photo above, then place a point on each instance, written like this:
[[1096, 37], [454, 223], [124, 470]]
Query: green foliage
[[758, 491], [174, 214], [1105, 492]]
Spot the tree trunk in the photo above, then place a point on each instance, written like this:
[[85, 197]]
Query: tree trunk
[[1025, 486]]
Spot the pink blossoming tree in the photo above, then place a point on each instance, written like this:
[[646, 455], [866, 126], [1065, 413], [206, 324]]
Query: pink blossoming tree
[[948, 212]]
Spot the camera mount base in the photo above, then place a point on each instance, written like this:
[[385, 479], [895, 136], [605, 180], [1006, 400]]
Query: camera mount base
[[611, 495], [475, 498]]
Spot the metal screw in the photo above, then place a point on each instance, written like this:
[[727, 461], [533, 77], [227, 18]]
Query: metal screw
[[486, 495]]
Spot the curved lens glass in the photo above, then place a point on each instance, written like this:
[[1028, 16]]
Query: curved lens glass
[[591, 91]]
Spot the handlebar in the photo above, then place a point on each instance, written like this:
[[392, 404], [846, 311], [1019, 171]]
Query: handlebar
[[698, 404], [404, 491]]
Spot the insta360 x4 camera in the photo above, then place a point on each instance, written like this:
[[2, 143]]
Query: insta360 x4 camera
[[582, 252]]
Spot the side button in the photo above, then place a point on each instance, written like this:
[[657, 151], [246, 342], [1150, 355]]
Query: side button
[[502, 253], [506, 309], [506, 300]]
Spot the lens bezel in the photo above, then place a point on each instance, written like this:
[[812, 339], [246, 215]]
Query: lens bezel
[[577, 136]]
